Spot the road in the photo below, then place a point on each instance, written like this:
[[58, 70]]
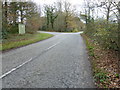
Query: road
[[58, 62]]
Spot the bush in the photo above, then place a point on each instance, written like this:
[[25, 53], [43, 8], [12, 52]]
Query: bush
[[107, 35], [3, 34], [104, 33], [44, 28], [33, 24], [14, 29], [75, 30]]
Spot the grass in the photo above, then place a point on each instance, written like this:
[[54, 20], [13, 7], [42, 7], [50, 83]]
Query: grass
[[16, 40], [90, 47]]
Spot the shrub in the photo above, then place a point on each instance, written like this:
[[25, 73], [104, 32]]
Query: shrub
[[33, 24], [3, 34], [104, 33], [75, 30]]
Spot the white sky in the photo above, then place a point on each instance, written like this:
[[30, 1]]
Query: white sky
[[73, 2]]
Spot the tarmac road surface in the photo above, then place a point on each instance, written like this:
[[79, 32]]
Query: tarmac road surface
[[58, 62]]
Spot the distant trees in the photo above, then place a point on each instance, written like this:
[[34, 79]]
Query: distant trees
[[52, 16], [68, 13], [61, 17], [103, 30], [107, 5], [88, 17]]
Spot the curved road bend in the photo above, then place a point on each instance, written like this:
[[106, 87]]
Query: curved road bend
[[58, 62]]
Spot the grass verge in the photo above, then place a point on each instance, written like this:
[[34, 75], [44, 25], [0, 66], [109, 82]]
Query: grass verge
[[104, 65], [16, 40]]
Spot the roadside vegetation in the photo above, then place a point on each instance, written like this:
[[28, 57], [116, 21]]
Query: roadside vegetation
[[102, 40], [104, 64], [22, 40], [15, 13]]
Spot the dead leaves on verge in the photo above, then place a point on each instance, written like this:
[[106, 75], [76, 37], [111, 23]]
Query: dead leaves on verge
[[105, 65]]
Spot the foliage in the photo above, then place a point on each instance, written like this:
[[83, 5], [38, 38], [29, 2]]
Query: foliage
[[104, 64], [14, 13], [4, 34], [33, 24], [61, 20], [75, 30], [106, 34], [50, 16], [104, 31], [101, 76]]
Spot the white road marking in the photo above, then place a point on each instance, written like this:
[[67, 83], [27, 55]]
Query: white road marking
[[19, 66], [15, 68], [52, 46]]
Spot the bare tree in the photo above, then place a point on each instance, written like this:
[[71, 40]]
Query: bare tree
[[117, 5], [108, 7], [88, 13]]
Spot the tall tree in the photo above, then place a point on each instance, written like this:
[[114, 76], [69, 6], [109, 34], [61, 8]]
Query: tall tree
[[13, 7], [47, 12], [68, 13], [88, 14], [27, 10], [4, 19], [17, 12], [107, 5], [50, 15]]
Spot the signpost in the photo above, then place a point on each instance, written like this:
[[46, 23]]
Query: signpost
[[21, 29]]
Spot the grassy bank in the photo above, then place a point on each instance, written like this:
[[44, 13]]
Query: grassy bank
[[104, 64], [16, 40]]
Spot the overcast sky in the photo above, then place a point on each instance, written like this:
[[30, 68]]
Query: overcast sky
[[73, 2]]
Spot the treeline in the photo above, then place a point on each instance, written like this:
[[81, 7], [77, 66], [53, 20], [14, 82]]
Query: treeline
[[61, 17], [106, 30], [17, 12]]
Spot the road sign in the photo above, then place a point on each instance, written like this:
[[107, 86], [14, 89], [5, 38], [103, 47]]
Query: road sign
[[21, 29]]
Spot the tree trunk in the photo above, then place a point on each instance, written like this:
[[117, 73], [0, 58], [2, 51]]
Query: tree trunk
[[66, 24], [52, 24], [22, 16], [108, 12], [47, 19], [5, 13]]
